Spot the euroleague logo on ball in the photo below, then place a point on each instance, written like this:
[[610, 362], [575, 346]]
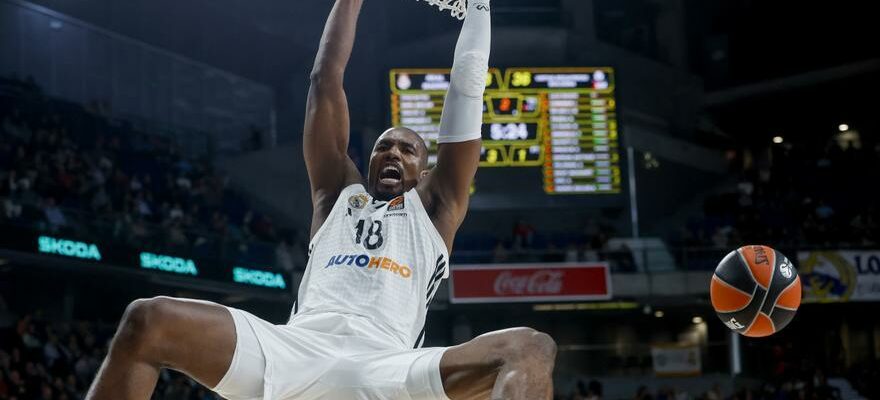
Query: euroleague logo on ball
[[786, 268], [755, 290]]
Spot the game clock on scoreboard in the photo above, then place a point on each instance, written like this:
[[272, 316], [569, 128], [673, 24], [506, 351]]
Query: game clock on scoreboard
[[562, 121]]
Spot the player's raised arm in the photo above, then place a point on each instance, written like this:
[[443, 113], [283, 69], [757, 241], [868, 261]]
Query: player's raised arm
[[448, 184], [325, 136]]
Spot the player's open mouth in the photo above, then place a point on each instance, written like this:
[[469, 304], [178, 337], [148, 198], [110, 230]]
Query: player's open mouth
[[390, 175]]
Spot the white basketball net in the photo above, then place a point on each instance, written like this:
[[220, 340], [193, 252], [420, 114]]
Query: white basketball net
[[458, 8]]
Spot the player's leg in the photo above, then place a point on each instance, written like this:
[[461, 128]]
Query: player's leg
[[195, 337], [513, 363]]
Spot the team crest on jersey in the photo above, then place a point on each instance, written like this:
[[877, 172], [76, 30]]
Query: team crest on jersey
[[396, 204], [358, 201]]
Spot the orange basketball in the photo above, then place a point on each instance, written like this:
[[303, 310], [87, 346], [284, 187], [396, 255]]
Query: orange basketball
[[755, 290]]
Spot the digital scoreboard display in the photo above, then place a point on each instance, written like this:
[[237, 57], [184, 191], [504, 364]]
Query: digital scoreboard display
[[562, 121]]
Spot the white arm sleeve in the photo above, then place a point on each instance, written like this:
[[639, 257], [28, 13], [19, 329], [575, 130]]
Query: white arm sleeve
[[462, 117]]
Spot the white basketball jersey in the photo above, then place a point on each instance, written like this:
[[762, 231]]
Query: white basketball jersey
[[382, 260]]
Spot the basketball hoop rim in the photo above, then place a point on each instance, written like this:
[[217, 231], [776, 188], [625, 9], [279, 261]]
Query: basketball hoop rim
[[456, 8]]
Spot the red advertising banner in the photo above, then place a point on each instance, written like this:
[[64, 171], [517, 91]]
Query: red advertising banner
[[529, 283]]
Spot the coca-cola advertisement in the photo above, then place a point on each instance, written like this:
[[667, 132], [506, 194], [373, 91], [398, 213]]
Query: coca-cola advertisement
[[529, 283]]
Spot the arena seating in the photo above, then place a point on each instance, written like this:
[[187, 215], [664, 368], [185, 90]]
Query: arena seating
[[43, 360], [73, 170]]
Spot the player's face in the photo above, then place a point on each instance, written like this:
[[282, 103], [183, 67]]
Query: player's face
[[397, 164]]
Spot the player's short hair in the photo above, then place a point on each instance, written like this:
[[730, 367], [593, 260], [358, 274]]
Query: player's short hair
[[420, 143]]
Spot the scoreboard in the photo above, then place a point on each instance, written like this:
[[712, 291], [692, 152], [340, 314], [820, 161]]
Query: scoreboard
[[562, 121]]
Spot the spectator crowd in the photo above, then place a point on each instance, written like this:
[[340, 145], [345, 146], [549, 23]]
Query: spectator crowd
[[803, 194], [45, 360], [71, 170], [809, 385]]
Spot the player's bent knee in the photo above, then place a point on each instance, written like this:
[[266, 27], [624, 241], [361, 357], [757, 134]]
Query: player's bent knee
[[538, 345], [143, 323], [530, 345], [544, 346]]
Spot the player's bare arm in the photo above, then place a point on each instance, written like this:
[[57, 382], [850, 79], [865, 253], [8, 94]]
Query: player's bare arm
[[446, 189], [325, 135], [511, 364]]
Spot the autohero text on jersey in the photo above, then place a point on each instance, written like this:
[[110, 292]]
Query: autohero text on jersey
[[365, 261]]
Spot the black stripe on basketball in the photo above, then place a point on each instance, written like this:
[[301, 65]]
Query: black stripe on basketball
[[742, 319], [734, 272], [781, 317], [778, 283]]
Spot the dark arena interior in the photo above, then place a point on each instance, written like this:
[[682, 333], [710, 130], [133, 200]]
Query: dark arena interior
[[155, 148]]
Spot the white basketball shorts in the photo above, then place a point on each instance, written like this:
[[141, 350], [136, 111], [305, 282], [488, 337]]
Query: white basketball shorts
[[320, 356]]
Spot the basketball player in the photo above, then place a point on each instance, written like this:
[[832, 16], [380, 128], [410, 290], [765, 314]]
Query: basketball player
[[379, 249]]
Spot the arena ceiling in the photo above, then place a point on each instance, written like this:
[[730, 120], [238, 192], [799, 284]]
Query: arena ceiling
[[263, 39], [730, 42]]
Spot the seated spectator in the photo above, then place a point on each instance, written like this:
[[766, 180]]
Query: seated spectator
[[571, 253], [54, 216], [643, 394], [500, 253], [523, 235], [594, 390], [714, 393]]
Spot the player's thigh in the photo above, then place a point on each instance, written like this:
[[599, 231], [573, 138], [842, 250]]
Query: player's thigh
[[195, 337]]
